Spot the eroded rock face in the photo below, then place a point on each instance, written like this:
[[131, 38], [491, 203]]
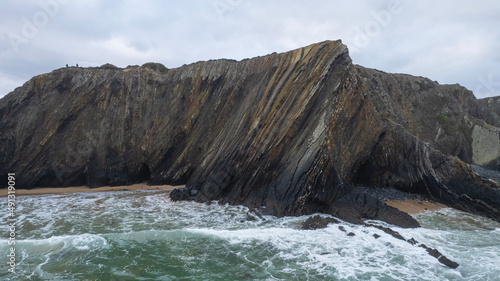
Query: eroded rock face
[[493, 103], [291, 132]]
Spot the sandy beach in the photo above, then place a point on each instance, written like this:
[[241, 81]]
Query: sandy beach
[[412, 206], [74, 189]]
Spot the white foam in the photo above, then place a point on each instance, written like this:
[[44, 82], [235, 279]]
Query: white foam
[[83, 223], [82, 242], [331, 250]]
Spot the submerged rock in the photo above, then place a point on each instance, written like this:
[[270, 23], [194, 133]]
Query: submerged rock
[[294, 132]]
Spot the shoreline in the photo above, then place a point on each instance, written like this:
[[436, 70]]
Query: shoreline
[[413, 207], [77, 189], [409, 206]]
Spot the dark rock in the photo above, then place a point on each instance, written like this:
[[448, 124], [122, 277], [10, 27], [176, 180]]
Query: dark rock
[[440, 257], [251, 217], [342, 228], [317, 222], [389, 231], [351, 234], [294, 132], [433, 252], [492, 103], [449, 263], [356, 205], [412, 241]]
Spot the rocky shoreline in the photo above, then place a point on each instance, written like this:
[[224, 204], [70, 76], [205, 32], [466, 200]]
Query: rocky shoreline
[[295, 133]]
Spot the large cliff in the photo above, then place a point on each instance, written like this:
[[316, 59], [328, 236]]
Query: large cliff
[[296, 133]]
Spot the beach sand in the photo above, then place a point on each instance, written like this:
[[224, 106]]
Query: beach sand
[[74, 189], [412, 207]]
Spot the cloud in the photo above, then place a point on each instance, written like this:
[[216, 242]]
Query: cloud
[[447, 41]]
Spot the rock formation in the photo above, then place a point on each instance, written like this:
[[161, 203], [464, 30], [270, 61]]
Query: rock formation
[[289, 133], [493, 103]]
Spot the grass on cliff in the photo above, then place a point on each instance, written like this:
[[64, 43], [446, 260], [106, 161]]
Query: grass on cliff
[[442, 119], [156, 66], [108, 66]]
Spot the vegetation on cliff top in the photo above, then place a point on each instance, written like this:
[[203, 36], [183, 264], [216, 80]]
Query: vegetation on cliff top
[[108, 66], [156, 66]]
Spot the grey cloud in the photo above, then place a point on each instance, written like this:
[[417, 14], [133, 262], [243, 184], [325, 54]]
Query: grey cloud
[[448, 41]]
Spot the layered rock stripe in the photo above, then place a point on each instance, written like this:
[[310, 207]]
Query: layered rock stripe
[[292, 132]]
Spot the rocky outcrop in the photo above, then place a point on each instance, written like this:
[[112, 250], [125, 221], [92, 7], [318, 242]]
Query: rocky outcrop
[[318, 222], [492, 103], [289, 133], [487, 134]]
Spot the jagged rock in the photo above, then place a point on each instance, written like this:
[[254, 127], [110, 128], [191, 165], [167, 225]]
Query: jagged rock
[[493, 103], [390, 231], [292, 132], [449, 263], [317, 222], [412, 241], [433, 252], [440, 257]]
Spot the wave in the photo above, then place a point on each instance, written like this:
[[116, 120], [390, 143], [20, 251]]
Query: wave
[[120, 234]]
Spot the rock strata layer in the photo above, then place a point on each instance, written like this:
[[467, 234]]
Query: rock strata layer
[[291, 134]]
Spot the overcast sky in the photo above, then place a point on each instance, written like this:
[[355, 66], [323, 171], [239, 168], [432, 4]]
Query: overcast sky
[[448, 41]]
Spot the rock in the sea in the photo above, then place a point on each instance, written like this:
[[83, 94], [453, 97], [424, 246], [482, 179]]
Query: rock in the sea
[[433, 252], [292, 132], [317, 222], [440, 257]]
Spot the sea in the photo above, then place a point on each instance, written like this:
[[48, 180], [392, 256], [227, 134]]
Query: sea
[[143, 235]]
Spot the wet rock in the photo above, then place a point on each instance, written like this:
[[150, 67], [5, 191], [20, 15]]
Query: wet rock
[[440, 257], [317, 222], [433, 252], [250, 217], [389, 231], [412, 241], [449, 263]]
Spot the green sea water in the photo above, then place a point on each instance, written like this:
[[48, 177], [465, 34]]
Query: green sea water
[[142, 235]]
